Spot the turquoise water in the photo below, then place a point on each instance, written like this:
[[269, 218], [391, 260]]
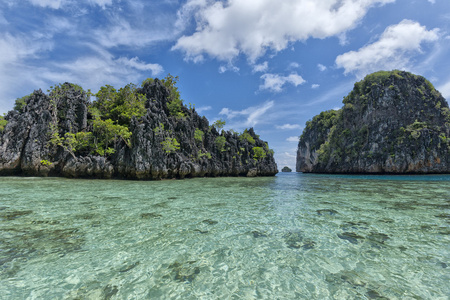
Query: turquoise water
[[292, 236]]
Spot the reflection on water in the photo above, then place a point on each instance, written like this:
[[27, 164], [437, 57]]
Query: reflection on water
[[292, 236]]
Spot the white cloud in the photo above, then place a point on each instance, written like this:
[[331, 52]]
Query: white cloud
[[432, 1], [16, 73], [90, 71], [126, 34], [288, 126], [58, 4], [286, 158], [294, 65], [393, 50], [101, 3], [228, 67], [103, 68], [275, 82], [315, 86], [55, 4], [292, 139], [321, 67], [261, 67], [226, 29], [202, 109], [252, 114]]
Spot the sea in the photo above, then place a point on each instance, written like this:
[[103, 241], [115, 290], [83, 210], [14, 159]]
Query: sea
[[291, 236]]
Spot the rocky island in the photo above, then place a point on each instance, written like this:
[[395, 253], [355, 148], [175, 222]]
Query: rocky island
[[391, 123], [286, 169], [135, 132]]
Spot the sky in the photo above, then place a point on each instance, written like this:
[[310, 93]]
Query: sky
[[271, 65]]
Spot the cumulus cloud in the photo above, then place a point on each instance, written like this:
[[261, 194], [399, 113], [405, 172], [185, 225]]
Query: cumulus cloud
[[288, 126], [293, 65], [321, 67], [202, 109], [393, 50], [275, 82], [292, 139], [261, 67], [226, 29], [315, 86], [228, 67], [253, 115]]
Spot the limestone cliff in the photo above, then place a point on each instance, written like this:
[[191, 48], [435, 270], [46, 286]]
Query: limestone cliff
[[63, 133], [392, 122]]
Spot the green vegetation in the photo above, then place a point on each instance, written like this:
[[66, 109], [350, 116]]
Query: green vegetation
[[198, 135], [3, 123], [175, 104], [219, 124], [259, 153], [45, 162], [246, 136], [106, 133], [201, 154], [110, 115], [220, 142], [170, 145], [321, 124], [21, 102], [120, 106]]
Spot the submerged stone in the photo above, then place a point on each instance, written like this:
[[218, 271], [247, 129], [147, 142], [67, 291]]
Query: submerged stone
[[151, 215], [258, 234], [210, 222], [15, 214], [129, 267], [328, 212], [184, 272], [109, 291], [351, 237], [377, 237], [294, 239], [372, 294]]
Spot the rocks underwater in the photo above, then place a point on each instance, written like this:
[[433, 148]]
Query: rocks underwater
[[391, 123], [132, 133]]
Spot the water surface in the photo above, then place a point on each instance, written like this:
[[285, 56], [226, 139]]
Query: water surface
[[292, 236]]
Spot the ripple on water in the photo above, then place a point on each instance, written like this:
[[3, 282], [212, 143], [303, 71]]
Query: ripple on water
[[288, 237]]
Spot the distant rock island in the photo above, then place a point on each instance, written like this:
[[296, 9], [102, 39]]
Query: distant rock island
[[391, 123], [144, 132], [286, 169]]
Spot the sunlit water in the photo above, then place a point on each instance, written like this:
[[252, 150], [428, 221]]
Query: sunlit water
[[292, 236]]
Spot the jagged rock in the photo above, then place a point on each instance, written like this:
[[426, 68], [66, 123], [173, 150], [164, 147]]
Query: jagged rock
[[28, 145], [392, 122]]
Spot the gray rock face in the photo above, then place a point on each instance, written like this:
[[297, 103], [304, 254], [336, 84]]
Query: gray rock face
[[392, 122], [27, 148]]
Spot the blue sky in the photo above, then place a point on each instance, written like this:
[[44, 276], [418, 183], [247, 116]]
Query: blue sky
[[267, 64]]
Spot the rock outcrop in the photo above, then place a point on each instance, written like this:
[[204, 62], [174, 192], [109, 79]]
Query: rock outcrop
[[56, 134], [391, 123]]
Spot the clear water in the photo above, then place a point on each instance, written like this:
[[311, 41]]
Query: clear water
[[292, 236]]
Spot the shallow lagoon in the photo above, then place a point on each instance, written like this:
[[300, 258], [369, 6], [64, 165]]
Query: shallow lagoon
[[292, 236]]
